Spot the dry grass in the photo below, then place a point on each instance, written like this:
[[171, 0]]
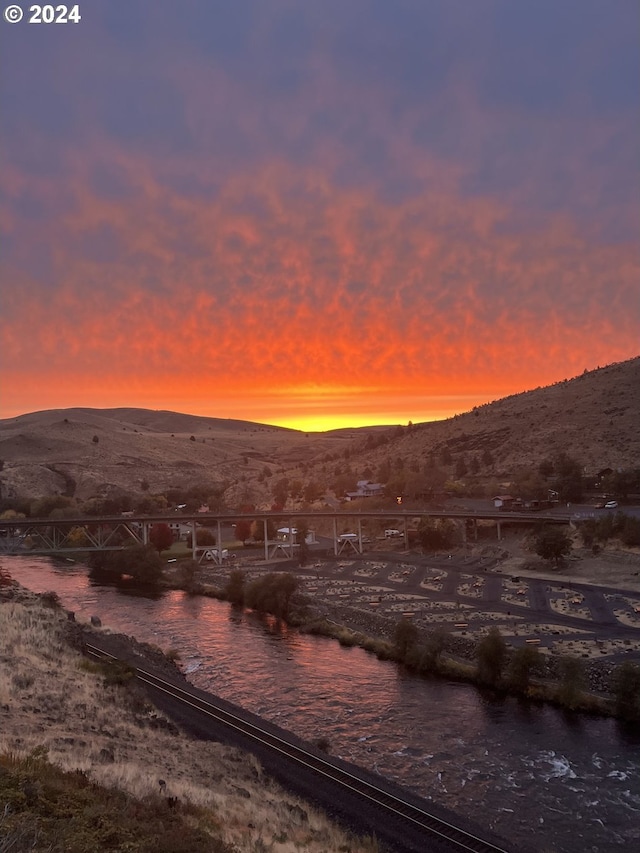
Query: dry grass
[[592, 417], [50, 699]]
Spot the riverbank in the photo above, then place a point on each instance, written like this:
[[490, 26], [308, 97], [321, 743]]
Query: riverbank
[[361, 602], [76, 737]]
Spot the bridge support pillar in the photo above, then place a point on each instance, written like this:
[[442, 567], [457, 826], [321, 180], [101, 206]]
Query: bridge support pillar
[[194, 543], [266, 538], [335, 537], [499, 531], [360, 535], [290, 522]]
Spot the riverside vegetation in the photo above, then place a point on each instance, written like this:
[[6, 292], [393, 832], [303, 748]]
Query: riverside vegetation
[[87, 764], [523, 672]]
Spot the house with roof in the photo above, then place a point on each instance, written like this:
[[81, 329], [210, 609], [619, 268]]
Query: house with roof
[[366, 489], [503, 501]]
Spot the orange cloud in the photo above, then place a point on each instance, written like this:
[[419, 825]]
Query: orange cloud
[[285, 297]]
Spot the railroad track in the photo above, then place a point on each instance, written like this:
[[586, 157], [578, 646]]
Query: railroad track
[[453, 837]]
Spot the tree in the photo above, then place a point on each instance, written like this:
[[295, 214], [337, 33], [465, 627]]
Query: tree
[[568, 480], [626, 687], [405, 637], [161, 537], [524, 662], [235, 587], [530, 485], [188, 571], [552, 544], [302, 529], [43, 507], [257, 530], [140, 562], [272, 593], [280, 491], [243, 529], [77, 537], [623, 483], [630, 532], [438, 534], [204, 537], [491, 653], [572, 681], [433, 649], [312, 491], [296, 488], [148, 504]]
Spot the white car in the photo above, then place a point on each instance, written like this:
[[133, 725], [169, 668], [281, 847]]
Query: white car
[[611, 505]]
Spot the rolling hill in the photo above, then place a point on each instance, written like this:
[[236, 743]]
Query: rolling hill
[[84, 452]]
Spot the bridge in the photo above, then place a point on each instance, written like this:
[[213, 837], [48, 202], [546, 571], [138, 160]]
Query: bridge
[[42, 536]]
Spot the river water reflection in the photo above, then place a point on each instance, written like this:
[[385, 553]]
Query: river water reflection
[[531, 773]]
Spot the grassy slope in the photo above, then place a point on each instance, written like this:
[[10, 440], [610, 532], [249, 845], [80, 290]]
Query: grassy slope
[[80, 762], [593, 417]]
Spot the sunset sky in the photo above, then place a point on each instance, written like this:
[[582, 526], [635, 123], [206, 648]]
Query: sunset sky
[[317, 213]]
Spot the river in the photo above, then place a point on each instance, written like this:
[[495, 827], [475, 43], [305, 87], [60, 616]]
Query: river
[[562, 782]]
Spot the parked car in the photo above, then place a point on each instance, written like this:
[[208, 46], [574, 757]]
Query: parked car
[[611, 505]]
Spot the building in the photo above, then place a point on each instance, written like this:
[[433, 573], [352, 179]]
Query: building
[[366, 489], [285, 534], [503, 501]]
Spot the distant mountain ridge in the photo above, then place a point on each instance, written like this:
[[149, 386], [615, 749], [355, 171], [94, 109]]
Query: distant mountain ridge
[[160, 420], [594, 417]]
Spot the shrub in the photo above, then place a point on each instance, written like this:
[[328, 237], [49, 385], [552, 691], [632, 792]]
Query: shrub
[[572, 682], [626, 688], [51, 599], [203, 537], [552, 544], [187, 574], [272, 593], [491, 653], [234, 589], [437, 534], [405, 637], [161, 537], [140, 561], [432, 651], [523, 663]]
